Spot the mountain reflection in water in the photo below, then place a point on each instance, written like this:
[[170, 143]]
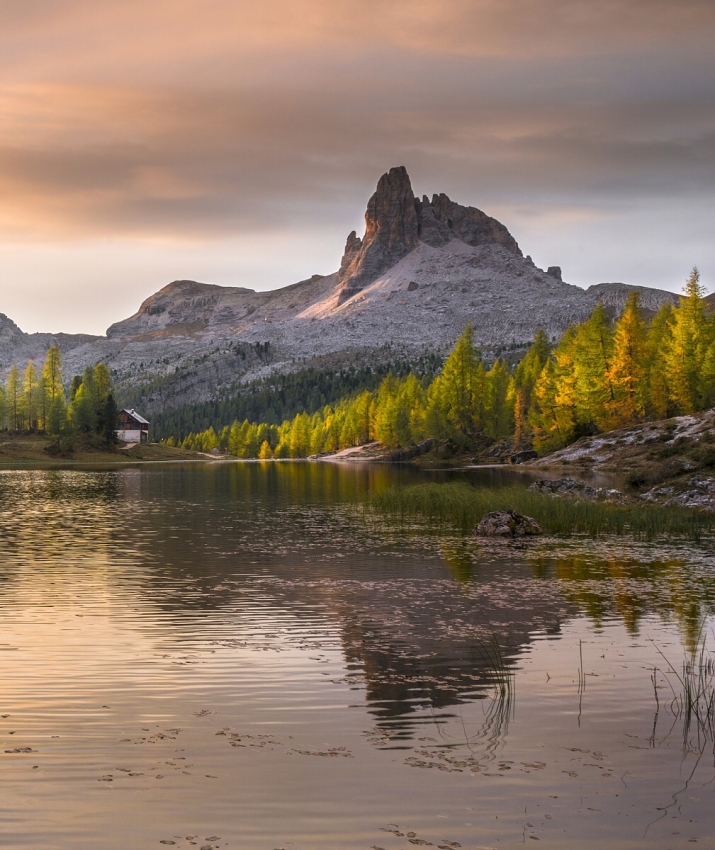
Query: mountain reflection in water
[[178, 585]]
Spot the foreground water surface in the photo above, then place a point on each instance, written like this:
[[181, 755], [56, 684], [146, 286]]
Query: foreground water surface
[[239, 655]]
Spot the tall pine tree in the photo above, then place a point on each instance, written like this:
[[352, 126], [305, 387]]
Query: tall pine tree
[[627, 373]]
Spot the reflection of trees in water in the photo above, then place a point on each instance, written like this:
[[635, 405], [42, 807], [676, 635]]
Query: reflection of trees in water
[[51, 516], [469, 737], [460, 560], [497, 704], [201, 538], [276, 484], [631, 589], [427, 644]]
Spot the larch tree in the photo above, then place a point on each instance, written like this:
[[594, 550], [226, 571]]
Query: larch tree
[[14, 398], [102, 381], [83, 410], [462, 386], [658, 342], [525, 378], [29, 394], [299, 440], [498, 402], [52, 373], [565, 379], [434, 421], [552, 422], [627, 371], [594, 391], [688, 345], [234, 438]]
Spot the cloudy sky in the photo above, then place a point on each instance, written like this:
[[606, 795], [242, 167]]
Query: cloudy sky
[[237, 142]]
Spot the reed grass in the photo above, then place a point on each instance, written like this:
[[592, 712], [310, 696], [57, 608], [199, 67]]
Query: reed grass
[[498, 705], [694, 701], [461, 505]]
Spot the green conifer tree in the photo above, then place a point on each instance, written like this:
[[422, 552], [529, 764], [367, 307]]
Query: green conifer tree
[[592, 359], [14, 398], [525, 378], [627, 370], [688, 345], [462, 388], [658, 343]]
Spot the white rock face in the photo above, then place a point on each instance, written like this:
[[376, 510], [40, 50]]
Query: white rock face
[[190, 340]]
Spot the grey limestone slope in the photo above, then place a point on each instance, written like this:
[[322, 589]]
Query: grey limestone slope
[[19, 347], [613, 296]]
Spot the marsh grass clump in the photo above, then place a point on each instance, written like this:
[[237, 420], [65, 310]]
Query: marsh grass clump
[[461, 505], [692, 696], [497, 703]]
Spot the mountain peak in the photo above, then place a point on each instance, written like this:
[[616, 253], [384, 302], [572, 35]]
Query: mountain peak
[[391, 232], [396, 222]]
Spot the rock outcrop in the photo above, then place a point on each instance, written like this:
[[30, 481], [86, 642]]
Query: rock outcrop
[[697, 492], [19, 347], [391, 232], [573, 489], [613, 296], [507, 524], [396, 222], [441, 220]]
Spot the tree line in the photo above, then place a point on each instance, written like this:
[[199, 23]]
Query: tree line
[[278, 397], [463, 401], [37, 400], [599, 376]]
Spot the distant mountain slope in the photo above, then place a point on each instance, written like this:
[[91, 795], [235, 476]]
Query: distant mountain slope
[[19, 347], [422, 270], [613, 296]]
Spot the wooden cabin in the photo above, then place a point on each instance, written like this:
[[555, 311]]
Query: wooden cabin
[[133, 428]]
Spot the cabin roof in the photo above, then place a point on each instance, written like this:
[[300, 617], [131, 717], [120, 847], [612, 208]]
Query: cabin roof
[[135, 415]]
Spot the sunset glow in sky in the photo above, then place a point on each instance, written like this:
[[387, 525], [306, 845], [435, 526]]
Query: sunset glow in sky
[[237, 143]]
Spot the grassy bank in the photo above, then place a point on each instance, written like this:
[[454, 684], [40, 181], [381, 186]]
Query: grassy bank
[[462, 506], [19, 450]]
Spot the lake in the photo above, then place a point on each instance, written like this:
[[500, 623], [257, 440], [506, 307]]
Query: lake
[[241, 655]]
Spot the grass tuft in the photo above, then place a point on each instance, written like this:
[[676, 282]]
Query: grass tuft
[[694, 702]]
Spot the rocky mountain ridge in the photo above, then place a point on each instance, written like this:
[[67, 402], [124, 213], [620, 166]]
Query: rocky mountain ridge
[[19, 347], [395, 224], [422, 270]]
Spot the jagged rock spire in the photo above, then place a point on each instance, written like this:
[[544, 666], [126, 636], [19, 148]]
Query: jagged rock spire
[[396, 221], [391, 232]]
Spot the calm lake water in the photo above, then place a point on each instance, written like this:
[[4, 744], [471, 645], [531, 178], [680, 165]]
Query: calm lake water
[[239, 655]]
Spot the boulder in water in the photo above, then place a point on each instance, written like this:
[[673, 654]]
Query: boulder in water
[[507, 523]]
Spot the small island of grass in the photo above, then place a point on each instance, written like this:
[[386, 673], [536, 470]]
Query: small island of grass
[[462, 506]]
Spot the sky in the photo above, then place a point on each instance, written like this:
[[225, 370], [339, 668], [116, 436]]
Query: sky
[[238, 142]]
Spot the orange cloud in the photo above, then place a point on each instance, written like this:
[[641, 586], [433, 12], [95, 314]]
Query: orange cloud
[[213, 119]]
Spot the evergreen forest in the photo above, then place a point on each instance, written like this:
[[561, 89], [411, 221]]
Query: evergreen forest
[[38, 401], [600, 375], [280, 396]]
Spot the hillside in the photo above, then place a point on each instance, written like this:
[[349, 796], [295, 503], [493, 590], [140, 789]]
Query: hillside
[[671, 461], [423, 269]]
